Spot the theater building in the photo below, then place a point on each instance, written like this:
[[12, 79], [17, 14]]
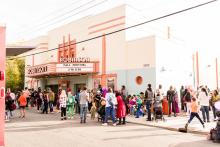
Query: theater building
[[73, 56]]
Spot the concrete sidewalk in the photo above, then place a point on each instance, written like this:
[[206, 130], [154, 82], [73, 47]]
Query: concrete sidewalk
[[174, 123]]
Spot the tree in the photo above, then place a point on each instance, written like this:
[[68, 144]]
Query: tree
[[15, 70]]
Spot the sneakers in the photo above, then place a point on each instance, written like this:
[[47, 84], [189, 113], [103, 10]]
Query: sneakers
[[114, 124], [105, 124], [203, 125]]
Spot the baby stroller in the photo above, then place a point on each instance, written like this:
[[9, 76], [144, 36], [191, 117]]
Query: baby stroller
[[101, 111], [157, 109]]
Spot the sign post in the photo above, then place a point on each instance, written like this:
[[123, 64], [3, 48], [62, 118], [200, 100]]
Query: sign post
[[2, 83]]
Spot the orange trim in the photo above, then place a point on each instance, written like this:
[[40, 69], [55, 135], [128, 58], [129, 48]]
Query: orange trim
[[111, 20], [103, 80], [106, 28], [193, 58], [33, 60], [197, 67], [216, 64]]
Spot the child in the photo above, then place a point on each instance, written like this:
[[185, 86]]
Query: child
[[194, 113], [132, 103], [63, 100], [93, 111], [70, 104]]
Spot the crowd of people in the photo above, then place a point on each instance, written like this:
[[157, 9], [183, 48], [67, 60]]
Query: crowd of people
[[105, 103]]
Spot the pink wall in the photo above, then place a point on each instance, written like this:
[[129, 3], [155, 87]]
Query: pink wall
[[2, 83]]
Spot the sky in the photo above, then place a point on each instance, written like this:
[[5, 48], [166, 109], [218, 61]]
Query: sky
[[195, 30]]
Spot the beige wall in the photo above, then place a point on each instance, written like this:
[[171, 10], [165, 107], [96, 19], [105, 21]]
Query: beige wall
[[141, 52], [80, 30]]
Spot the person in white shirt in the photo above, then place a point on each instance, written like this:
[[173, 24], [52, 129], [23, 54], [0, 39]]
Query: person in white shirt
[[204, 103], [83, 101], [111, 101], [63, 100]]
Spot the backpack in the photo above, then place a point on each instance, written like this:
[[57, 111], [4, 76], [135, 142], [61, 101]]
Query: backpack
[[150, 95]]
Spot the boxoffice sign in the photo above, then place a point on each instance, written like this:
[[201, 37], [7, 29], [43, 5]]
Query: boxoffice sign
[[37, 70], [74, 67]]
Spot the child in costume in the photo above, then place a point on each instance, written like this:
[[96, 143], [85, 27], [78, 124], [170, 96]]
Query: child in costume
[[70, 104], [93, 111]]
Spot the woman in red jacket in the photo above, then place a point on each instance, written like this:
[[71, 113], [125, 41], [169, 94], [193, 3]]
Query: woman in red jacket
[[121, 109]]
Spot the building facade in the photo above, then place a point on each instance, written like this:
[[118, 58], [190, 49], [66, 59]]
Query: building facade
[[86, 53]]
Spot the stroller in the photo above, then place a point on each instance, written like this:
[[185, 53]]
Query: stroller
[[157, 109], [101, 111]]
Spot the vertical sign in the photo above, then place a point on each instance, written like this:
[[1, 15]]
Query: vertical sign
[[2, 83]]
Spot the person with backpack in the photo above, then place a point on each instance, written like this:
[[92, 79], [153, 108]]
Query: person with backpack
[[111, 101], [149, 96]]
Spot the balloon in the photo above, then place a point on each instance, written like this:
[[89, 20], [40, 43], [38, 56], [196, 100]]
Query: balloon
[[217, 105]]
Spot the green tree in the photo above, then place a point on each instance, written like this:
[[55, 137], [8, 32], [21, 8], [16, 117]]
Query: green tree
[[15, 70]]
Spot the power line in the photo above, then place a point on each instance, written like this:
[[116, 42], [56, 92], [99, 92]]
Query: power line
[[60, 15], [65, 18], [130, 27], [52, 13]]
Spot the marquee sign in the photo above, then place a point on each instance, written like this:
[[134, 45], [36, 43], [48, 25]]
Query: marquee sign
[[75, 67], [73, 60], [37, 70]]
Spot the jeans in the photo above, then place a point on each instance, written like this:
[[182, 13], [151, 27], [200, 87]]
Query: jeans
[[51, 106], [148, 107], [83, 111], [205, 113], [138, 111], [110, 111], [172, 105], [214, 111], [194, 114], [45, 108]]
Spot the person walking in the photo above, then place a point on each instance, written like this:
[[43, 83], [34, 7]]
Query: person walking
[[121, 109], [171, 101], [22, 103], [215, 98], [149, 96], [63, 100], [111, 101], [194, 113], [204, 103], [51, 97], [83, 101]]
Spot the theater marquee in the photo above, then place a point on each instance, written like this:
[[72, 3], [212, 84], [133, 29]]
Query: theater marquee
[[75, 67]]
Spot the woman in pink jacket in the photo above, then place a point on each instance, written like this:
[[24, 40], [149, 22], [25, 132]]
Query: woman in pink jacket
[[121, 109]]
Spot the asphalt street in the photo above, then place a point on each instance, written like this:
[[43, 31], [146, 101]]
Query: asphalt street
[[47, 130]]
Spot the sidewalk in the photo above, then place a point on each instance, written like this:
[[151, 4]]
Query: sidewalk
[[174, 123]]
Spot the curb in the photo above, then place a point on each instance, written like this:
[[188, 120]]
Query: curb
[[169, 128]]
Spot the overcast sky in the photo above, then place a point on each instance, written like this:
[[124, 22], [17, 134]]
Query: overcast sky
[[198, 28]]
